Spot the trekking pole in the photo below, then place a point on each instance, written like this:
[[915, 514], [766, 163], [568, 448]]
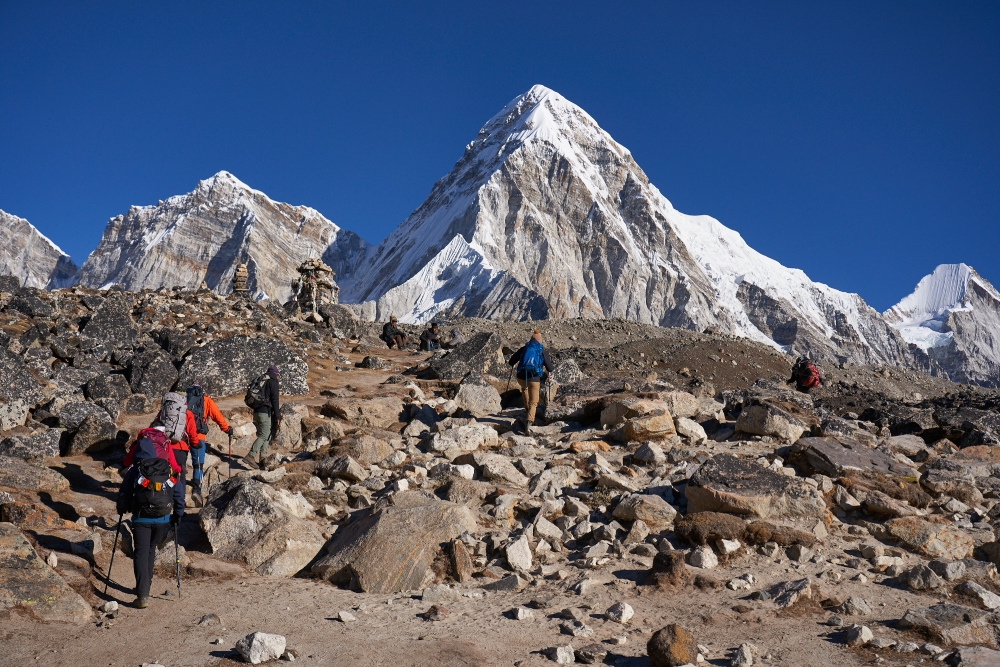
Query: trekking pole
[[177, 562], [118, 532], [509, 376], [229, 474]]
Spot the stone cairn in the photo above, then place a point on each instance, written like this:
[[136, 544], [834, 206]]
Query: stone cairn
[[240, 280], [314, 287]]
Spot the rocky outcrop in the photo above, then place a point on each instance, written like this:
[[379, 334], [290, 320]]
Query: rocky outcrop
[[28, 585], [728, 484], [202, 236], [33, 259], [392, 549], [264, 528], [228, 366]]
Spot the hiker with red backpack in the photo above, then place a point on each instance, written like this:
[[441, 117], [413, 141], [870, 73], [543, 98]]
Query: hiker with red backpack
[[152, 491], [805, 375], [532, 363], [201, 407]]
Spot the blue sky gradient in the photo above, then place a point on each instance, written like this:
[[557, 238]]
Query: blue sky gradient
[[857, 141]]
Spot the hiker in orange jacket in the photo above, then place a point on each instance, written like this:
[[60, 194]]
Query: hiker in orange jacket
[[202, 408]]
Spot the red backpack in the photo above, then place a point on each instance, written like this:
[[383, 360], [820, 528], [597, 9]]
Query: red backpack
[[159, 439], [808, 374]]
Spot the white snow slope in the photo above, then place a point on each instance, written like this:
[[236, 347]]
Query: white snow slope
[[546, 207]]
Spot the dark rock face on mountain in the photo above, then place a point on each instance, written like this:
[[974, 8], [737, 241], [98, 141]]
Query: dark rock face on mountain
[[30, 257], [205, 234]]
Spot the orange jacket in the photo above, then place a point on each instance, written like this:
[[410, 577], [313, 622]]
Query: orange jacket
[[211, 412]]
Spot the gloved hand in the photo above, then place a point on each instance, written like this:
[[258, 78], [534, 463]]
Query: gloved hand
[[229, 431], [175, 519]]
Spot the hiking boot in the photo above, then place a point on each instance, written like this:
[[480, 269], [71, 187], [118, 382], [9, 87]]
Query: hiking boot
[[249, 463], [141, 603], [197, 498]]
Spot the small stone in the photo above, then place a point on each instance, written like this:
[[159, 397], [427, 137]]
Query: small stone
[[620, 612], [672, 646], [859, 635], [906, 647], [704, 558], [743, 657], [923, 578], [576, 628], [109, 607], [346, 617], [523, 614], [854, 606], [949, 571], [987, 598], [518, 554], [52, 560], [591, 654], [435, 613], [561, 655], [931, 649], [727, 547], [619, 640], [835, 621], [798, 553], [260, 647]]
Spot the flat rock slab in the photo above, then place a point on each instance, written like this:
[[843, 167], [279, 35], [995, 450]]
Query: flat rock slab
[[26, 582], [392, 549], [732, 485], [954, 624], [19, 474], [933, 539], [481, 355], [377, 412], [227, 366], [835, 456]]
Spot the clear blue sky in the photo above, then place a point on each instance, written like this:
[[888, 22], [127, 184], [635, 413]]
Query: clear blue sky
[[858, 141]]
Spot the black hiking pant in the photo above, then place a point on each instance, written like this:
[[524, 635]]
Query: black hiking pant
[[145, 538]]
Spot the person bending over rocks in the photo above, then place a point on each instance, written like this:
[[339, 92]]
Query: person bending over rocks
[[533, 368], [456, 339], [392, 336]]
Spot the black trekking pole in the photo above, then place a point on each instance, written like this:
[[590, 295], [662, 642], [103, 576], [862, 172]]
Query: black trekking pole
[[177, 562], [509, 376], [229, 473], [114, 548]]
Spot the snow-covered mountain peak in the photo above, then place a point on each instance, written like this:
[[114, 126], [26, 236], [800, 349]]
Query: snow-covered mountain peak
[[30, 256]]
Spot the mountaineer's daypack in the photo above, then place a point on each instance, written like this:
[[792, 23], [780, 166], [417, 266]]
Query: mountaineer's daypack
[[196, 404], [806, 374], [255, 393], [154, 489], [173, 415], [532, 360]]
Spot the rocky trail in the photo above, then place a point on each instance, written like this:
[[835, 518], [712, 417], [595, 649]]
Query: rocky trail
[[678, 504]]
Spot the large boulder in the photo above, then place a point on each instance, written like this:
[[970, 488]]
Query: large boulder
[[18, 474], [838, 456], [481, 355], [467, 438], [95, 433], [227, 366], [617, 412], [112, 322], [114, 386], [290, 434], [266, 529], [43, 443], [377, 412], [729, 484], [28, 584], [19, 390], [656, 512], [72, 415], [770, 419], [151, 372], [318, 432], [935, 539], [366, 448], [392, 549], [954, 624], [477, 396]]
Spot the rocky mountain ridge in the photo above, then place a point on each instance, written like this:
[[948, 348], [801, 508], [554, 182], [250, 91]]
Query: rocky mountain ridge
[[31, 257]]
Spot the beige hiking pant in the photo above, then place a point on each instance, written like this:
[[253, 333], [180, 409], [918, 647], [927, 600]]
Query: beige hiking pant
[[529, 392]]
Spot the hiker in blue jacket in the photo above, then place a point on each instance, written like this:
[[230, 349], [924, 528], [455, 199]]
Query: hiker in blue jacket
[[154, 495], [533, 367]]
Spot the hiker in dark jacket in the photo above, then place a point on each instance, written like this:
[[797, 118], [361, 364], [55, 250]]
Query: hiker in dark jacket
[[147, 531], [267, 419], [429, 339], [532, 362], [391, 334]]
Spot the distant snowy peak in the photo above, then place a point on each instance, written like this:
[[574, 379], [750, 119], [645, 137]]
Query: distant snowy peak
[[203, 235], [922, 317], [545, 214], [35, 260]]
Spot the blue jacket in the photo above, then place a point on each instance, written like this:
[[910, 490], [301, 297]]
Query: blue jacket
[[124, 501]]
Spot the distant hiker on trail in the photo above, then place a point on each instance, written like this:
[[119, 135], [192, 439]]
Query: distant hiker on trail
[[152, 491], [456, 339], [429, 339], [805, 375], [392, 335], [532, 363], [178, 425], [202, 408], [262, 397]]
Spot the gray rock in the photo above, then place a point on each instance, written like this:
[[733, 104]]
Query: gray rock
[[788, 593], [259, 647], [518, 554], [43, 443], [858, 635], [227, 366], [854, 606], [653, 510], [151, 372], [95, 433], [112, 322], [769, 419], [986, 598], [112, 386], [923, 578], [837, 456], [341, 467], [477, 396], [253, 523], [953, 624], [481, 354], [948, 570], [18, 474], [729, 484], [562, 654], [392, 548]]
